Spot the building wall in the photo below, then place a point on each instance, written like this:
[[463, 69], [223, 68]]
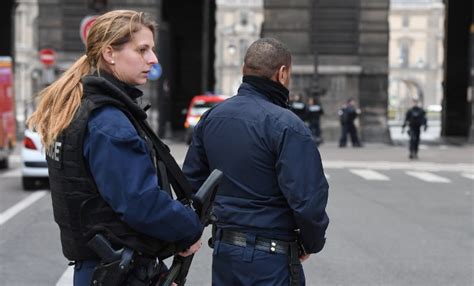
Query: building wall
[[238, 24], [27, 63], [348, 43]]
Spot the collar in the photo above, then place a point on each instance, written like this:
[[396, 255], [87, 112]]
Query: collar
[[276, 92], [130, 90], [109, 90]]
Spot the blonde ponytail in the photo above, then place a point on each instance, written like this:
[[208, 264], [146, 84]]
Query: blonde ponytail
[[59, 102]]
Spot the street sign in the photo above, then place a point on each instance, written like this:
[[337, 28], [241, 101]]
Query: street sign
[[86, 24], [155, 72], [47, 57]]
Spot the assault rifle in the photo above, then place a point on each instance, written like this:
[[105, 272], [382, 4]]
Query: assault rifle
[[202, 204]]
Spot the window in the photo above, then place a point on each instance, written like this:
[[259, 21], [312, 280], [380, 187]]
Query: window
[[405, 21], [404, 55]]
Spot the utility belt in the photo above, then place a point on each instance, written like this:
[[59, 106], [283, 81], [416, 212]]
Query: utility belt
[[289, 248]]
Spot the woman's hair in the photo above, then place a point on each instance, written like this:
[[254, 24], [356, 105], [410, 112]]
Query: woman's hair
[[59, 102]]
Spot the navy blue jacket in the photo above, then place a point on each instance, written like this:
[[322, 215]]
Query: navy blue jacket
[[123, 171], [273, 180]]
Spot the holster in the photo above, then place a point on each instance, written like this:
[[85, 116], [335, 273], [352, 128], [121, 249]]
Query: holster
[[139, 272], [114, 273]]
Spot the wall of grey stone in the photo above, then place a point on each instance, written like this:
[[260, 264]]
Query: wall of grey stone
[[373, 54], [352, 62]]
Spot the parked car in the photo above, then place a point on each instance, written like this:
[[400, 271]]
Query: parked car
[[199, 104], [34, 170]]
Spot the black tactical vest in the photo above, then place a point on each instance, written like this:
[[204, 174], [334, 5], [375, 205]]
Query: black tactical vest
[[78, 208]]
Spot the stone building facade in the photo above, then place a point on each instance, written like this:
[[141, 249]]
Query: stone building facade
[[238, 25], [346, 42]]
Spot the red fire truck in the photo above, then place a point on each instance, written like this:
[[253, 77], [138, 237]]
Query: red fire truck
[[7, 114]]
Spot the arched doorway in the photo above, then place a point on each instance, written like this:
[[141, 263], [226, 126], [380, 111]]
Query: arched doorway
[[401, 93], [186, 52]]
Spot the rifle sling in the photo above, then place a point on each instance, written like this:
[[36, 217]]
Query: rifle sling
[[180, 184]]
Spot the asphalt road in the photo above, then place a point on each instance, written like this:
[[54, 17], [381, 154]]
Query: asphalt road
[[393, 222]]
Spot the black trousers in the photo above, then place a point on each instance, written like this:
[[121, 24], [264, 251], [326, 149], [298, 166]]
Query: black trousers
[[414, 139], [352, 130]]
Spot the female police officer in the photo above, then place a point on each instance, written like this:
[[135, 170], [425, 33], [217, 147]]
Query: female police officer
[[100, 160]]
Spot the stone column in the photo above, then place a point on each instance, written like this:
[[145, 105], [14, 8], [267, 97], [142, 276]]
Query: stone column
[[373, 55]]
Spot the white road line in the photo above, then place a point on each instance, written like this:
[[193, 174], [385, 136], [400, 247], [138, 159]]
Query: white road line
[[67, 277], [467, 175], [390, 165], [428, 177], [23, 204], [370, 175]]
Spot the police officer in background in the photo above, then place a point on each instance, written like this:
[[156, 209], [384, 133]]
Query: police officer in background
[[271, 203], [347, 116], [315, 110], [415, 118], [101, 162], [298, 106]]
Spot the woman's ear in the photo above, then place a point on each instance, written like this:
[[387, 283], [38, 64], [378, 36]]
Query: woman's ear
[[108, 55]]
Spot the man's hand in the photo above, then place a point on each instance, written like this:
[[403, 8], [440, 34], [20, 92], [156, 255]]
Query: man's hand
[[192, 249], [304, 257]]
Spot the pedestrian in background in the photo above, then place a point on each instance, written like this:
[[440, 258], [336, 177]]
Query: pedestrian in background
[[298, 106], [101, 161], [273, 195], [415, 118], [347, 115], [315, 110]]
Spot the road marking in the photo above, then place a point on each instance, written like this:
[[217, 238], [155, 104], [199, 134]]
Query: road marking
[[23, 204], [467, 175], [67, 277], [390, 165], [15, 173], [428, 177], [370, 175]]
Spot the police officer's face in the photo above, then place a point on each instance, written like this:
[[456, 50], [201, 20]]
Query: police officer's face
[[132, 62]]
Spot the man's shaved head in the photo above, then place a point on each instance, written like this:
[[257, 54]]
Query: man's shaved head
[[265, 56]]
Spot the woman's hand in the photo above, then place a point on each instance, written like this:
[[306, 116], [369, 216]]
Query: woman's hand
[[192, 249], [304, 257]]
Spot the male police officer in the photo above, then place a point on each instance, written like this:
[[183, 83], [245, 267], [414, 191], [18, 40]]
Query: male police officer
[[273, 194], [347, 116], [415, 118]]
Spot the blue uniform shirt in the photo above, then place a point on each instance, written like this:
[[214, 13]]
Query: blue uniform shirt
[[273, 180], [121, 166]]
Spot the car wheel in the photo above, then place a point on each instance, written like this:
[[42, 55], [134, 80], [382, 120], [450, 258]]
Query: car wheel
[[29, 183], [4, 163]]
